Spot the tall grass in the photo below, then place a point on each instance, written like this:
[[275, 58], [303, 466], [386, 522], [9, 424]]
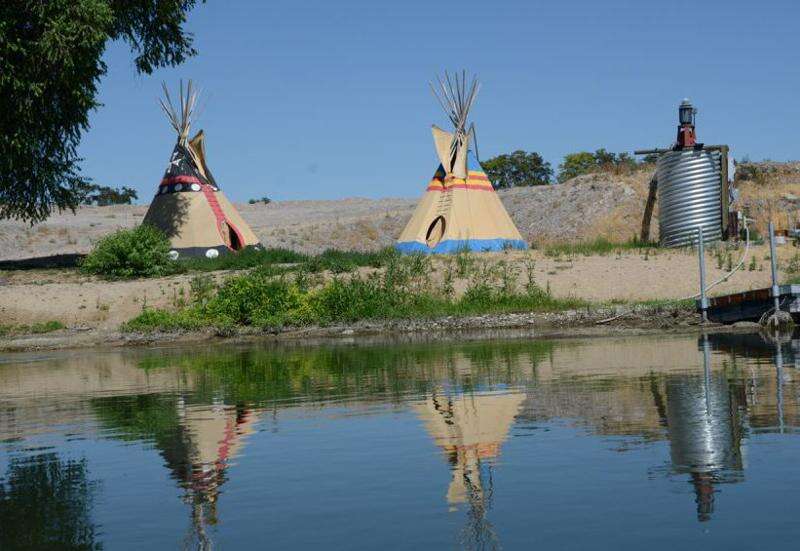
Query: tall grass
[[33, 329], [405, 289], [598, 246]]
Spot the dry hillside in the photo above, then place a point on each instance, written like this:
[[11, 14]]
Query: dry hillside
[[585, 207]]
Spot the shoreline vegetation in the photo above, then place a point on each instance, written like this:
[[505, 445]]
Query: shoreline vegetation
[[281, 293], [360, 287], [279, 288]]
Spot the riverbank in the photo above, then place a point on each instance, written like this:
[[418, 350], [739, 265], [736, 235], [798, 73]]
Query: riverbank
[[547, 290], [668, 318], [620, 276]]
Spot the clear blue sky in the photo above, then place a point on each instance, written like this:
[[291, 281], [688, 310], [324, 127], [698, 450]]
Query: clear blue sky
[[329, 99]]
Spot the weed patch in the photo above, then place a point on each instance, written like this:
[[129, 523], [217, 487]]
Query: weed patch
[[33, 329], [599, 246], [404, 290]]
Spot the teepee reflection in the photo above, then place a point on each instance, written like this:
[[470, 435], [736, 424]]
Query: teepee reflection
[[469, 429], [210, 436]]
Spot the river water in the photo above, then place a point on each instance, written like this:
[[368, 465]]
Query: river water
[[612, 443]]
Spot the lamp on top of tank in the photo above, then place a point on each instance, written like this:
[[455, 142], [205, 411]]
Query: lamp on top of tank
[[686, 112], [686, 133]]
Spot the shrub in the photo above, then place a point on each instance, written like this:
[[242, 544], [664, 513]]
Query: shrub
[[584, 162], [256, 299], [125, 254]]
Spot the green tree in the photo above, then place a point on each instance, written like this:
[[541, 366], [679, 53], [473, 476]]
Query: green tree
[[518, 169], [576, 164], [103, 196], [50, 65], [584, 162]]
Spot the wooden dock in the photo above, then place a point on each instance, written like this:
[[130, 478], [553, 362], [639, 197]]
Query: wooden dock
[[751, 305]]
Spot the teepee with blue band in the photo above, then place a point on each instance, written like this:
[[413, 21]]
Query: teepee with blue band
[[460, 210]]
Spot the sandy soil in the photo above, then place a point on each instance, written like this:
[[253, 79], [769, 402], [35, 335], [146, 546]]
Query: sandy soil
[[79, 301]]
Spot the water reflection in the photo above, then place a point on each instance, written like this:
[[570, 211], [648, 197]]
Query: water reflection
[[705, 427], [469, 429], [46, 503], [698, 402]]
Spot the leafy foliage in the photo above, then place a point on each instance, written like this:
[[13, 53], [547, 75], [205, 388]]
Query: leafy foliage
[[50, 66], [140, 252], [518, 169], [584, 162]]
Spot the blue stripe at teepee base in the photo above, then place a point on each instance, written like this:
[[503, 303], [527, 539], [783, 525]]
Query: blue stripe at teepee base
[[453, 246]]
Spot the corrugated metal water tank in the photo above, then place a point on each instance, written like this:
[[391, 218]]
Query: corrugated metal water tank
[[689, 196]]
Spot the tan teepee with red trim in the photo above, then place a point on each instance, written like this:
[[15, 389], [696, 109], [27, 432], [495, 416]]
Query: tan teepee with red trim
[[189, 207]]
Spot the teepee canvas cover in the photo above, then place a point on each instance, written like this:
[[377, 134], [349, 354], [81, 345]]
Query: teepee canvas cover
[[189, 207], [460, 209]]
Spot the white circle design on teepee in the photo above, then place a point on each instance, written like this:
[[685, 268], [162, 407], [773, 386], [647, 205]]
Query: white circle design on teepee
[[178, 187], [195, 187], [173, 255], [212, 253]]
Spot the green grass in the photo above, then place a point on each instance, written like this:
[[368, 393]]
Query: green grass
[[36, 328], [332, 259], [403, 290], [599, 246], [248, 258]]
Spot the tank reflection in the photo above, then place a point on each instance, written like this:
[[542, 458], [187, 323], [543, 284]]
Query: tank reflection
[[705, 429]]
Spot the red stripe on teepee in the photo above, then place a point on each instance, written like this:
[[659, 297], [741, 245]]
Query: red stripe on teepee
[[183, 179], [211, 197], [474, 187]]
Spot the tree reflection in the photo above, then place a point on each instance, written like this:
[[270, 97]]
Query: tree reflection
[[46, 503]]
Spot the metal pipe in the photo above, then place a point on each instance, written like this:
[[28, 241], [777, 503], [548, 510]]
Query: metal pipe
[[779, 377], [776, 292], [701, 256], [707, 371], [659, 151]]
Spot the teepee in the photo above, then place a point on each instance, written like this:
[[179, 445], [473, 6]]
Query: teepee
[[460, 209], [189, 207]]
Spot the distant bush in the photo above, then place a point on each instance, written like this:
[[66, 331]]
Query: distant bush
[[518, 169], [585, 162], [103, 196], [125, 254], [266, 200]]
